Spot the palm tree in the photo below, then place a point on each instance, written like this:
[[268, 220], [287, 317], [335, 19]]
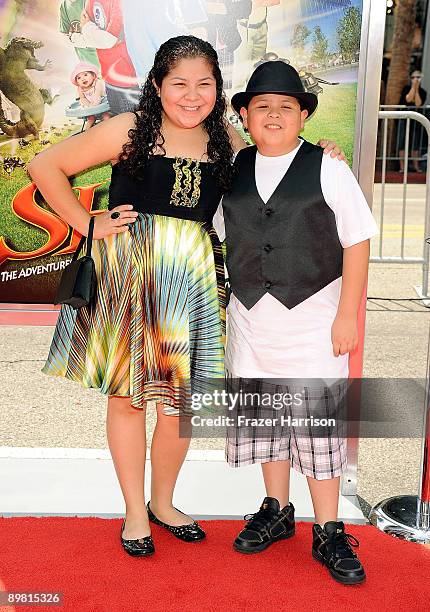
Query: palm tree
[[398, 75], [404, 26]]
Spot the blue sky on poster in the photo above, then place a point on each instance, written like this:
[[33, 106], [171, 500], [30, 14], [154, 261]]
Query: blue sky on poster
[[326, 14], [284, 17]]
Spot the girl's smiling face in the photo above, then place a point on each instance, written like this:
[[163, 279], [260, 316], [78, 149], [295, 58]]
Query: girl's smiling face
[[188, 92], [274, 121]]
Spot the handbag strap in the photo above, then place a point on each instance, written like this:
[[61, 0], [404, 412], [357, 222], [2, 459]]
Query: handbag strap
[[90, 236], [89, 240]]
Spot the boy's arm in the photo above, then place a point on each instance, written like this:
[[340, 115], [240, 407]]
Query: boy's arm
[[355, 226], [344, 332]]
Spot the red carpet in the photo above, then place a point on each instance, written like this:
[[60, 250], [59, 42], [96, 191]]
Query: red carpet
[[83, 558]]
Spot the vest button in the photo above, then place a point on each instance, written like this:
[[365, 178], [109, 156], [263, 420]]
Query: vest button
[[267, 284], [268, 211], [268, 248]]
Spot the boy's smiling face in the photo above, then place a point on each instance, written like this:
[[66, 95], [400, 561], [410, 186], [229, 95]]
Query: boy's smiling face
[[274, 122]]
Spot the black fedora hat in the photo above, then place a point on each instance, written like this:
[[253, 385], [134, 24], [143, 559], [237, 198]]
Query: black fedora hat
[[275, 77]]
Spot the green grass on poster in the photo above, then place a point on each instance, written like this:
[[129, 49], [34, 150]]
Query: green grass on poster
[[335, 118], [18, 234]]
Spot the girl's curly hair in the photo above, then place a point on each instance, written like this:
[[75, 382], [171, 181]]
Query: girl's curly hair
[[147, 134]]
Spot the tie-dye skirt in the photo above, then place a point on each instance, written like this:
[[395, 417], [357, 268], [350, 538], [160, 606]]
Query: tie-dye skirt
[[156, 329]]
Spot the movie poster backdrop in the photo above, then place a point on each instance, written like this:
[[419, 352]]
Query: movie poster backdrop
[[49, 49]]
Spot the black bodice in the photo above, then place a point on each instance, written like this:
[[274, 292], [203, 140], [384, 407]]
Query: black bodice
[[173, 187]]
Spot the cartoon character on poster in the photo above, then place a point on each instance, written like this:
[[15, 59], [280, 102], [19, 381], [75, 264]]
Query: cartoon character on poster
[[252, 31], [70, 25], [102, 27]]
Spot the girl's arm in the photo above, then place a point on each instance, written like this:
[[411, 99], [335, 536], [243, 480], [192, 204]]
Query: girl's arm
[[344, 332], [51, 168]]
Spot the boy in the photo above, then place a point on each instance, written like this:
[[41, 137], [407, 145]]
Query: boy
[[297, 238]]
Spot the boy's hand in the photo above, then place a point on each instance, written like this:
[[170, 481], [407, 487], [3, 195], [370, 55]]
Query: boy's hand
[[344, 334], [331, 147]]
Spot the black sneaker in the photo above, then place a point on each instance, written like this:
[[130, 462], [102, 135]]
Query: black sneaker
[[331, 546], [266, 526]]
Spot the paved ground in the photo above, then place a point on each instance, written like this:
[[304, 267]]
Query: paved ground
[[42, 411]]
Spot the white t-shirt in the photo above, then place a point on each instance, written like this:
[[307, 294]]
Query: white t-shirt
[[270, 340]]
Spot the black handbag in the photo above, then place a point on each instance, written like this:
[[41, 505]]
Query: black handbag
[[78, 282]]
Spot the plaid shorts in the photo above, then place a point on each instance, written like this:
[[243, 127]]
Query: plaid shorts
[[319, 452]]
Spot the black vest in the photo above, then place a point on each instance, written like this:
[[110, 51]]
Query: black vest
[[288, 247]]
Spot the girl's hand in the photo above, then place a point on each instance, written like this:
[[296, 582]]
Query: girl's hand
[[104, 225], [331, 147], [344, 334]]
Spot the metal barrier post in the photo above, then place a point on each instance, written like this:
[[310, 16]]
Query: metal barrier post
[[366, 129], [408, 516], [424, 260]]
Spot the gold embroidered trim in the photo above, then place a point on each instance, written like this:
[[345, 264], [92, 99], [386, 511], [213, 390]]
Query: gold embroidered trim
[[187, 177]]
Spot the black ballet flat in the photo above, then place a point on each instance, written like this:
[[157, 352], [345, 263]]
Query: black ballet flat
[[187, 533], [142, 547]]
